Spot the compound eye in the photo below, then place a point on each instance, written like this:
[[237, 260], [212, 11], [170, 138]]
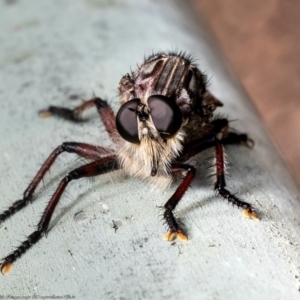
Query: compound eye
[[126, 121], [166, 115]]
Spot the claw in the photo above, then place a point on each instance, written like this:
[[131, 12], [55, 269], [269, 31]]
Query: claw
[[6, 268], [45, 113], [181, 236], [249, 143], [170, 236], [250, 214]]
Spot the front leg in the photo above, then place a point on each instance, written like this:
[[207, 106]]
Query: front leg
[[95, 168], [174, 228], [220, 184], [81, 149], [201, 144]]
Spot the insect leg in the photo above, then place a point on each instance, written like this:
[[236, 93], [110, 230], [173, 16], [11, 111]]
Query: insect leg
[[81, 149], [218, 127], [67, 113], [104, 110], [109, 119], [196, 146], [220, 184], [102, 166], [238, 139], [202, 144], [172, 223], [221, 127]]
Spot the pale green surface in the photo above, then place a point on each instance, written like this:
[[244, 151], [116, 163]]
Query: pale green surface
[[52, 49]]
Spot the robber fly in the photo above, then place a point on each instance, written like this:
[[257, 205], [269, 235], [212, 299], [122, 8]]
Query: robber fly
[[165, 118]]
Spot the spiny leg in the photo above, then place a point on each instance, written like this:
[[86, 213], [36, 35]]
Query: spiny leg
[[194, 147], [104, 110], [102, 166], [220, 184], [81, 149], [174, 228]]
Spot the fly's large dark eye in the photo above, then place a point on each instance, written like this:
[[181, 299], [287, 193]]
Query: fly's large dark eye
[[166, 115], [126, 121]]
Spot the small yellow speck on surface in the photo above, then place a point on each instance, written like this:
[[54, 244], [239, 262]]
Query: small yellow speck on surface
[[45, 114], [251, 214], [6, 268], [181, 236], [170, 236]]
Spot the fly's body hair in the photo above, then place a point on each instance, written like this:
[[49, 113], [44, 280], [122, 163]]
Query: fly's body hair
[[138, 160], [166, 118]]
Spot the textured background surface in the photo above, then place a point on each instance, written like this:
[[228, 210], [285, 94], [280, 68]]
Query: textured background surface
[[52, 50]]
